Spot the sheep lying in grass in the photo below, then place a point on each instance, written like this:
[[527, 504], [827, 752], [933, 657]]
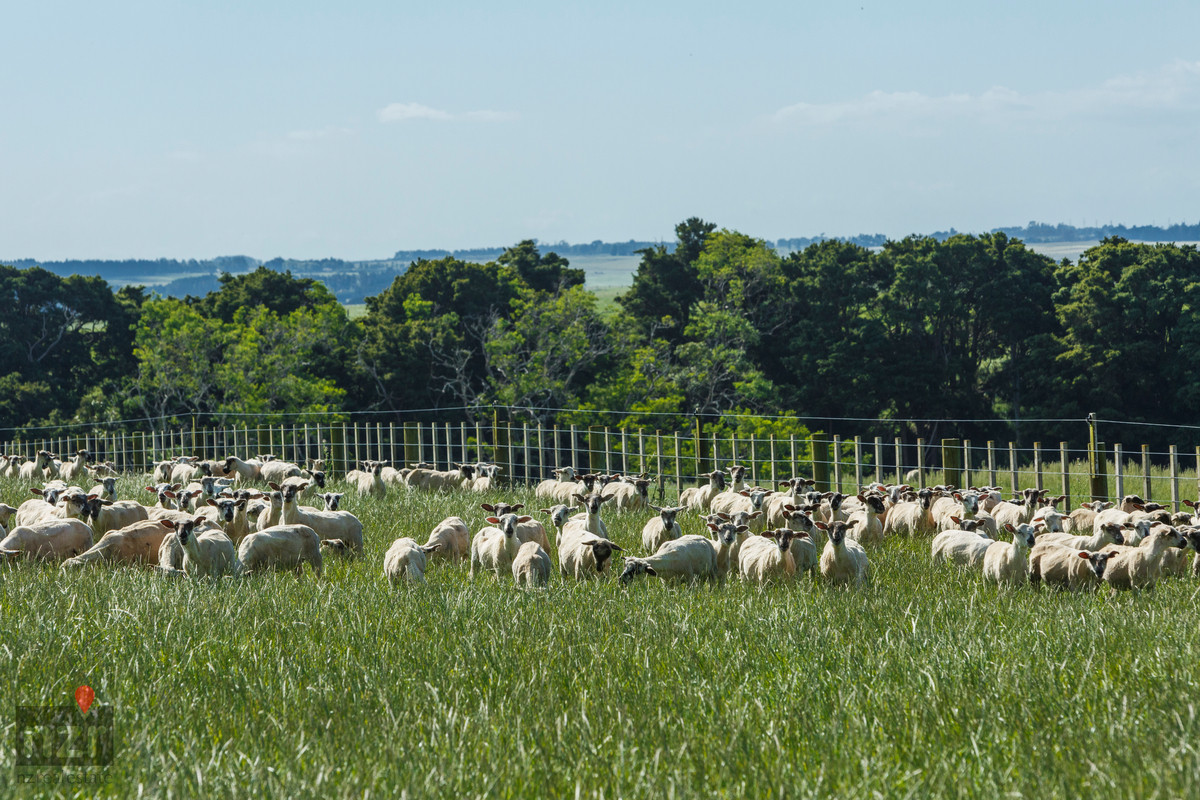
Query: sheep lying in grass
[[450, 539], [105, 515], [339, 526], [1017, 513], [1106, 533], [531, 567], [405, 560], [843, 560], [1082, 520], [136, 544], [631, 496], [1067, 567], [583, 554], [768, 558], [493, 549], [1007, 564], [965, 546], [287, 547], [1139, 567], [688, 558], [47, 540], [662, 528]]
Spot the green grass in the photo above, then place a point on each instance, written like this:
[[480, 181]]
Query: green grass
[[928, 683]]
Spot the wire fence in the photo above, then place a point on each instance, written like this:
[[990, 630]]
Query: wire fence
[[527, 452]]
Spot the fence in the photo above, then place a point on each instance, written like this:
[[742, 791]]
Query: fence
[[526, 453]]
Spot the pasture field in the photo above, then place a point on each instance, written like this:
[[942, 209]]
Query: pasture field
[[927, 683]]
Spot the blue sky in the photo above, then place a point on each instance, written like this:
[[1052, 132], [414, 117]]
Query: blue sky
[[306, 130]]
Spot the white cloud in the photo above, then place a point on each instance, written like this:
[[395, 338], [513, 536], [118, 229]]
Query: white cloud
[[401, 112], [1174, 87]]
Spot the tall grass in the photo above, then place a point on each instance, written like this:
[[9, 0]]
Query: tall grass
[[928, 683]]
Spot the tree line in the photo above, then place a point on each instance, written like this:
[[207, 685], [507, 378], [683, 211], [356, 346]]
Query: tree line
[[974, 328]]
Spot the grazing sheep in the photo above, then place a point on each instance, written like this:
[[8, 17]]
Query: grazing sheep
[[244, 471], [135, 544], [1139, 567], [531, 567], [47, 540], [699, 498], [74, 468], [688, 558], [843, 560], [1106, 533], [280, 547], [965, 546], [493, 549], [452, 539], [768, 558], [277, 471], [330, 525], [1066, 567], [1007, 564], [662, 528], [405, 560], [583, 554]]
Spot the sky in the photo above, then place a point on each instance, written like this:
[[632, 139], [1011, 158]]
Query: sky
[[313, 129]]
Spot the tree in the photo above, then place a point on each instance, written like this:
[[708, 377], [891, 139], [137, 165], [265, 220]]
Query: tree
[[548, 273], [666, 285], [277, 291]]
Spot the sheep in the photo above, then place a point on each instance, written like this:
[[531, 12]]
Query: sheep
[[68, 505], [1007, 564], [773, 506], [1013, 513], [135, 544], [269, 516], [405, 560], [589, 518], [726, 541], [329, 525], [1175, 561], [418, 475], [332, 500], [689, 558], [698, 498], [631, 496], [768, 557], [531, 567], [528, 531], [1140, 567], [583, 554], [662, 528], [105, 515], [277, 471], [208, 487], [244, 471], [831, 507], [1065, 566], [843, 560], [186, 469], [1048, 520], [74, 468], [280, 547], [42, 464], [105, 487], [493, 549], [552, 488], [964, 505], [394, 477], [47, 540], [750, 501], [452, 539], [205, 552], [910, 518], [737, 477], [868, 528], [1106, 533], [487, 480], [965, 546], [559, 517], [368, 482]]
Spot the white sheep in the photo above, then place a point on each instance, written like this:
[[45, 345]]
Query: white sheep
[[244, 471], [688, 558], [1007, 564], [1057, 565], [1139, 567], [135, 544], [494, 548], [405, 560], [965, 546], [589, 518], [631, 496], [699, 498], [209, 553], [1082, 520], [911, 518], [276, 471], [368, 481], [451, 539], [528, 531], [74, 468], [662, 528], [768, 558], [726, 541], [47, 540], [559, 515], [1106, 533], [583, 554], [868, 525], [964, 505], [774, 506], [331, 526], [105, 515], [843, 560], [38, 469], [280, 547], [1017, 513], [531, 566]]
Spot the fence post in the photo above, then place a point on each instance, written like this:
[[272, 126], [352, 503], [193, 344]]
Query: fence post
[[699, 438], [593, 448], [512, 468], [1063, 456], [642, 453], [991, 459], [503, 453], [858, 471], [837, 463], [411, 454], [541, 450], [1174, 479], [951, 464], [792, 466], [624, 452], [966, 451], [574, 448], [774, 482], [819, 443], [879, 459], [479, 441], [658, 462], [1037, 465], [1119, 470], [754, 460], [678, 465], [525, 448], [1012, 467], [1146, 473]]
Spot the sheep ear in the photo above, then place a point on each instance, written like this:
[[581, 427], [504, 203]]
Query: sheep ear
[[1085, 555], [741, 528], [211, 502], [956, 520], [166, 523], [1009, 527], [711, 526], [579, 497], [744, 493], [493, 520], [756, 515], [616, 546], [429, 548], [650, 571], [273, 485], [524, 518], [545, 511], [488, 507]]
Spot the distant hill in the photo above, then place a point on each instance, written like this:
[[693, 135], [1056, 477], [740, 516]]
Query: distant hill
[[353, 281]]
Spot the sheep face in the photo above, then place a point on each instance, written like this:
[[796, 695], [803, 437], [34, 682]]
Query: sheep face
[[783, 537], [837, 530], [500, 509], [508, 523], [667, 515], [602, 551], [559, 514], [92, 508], [873, 502], [184, 530], [726, 534], [1113, 529], [592, 502], [643, 488], [1023, 535], [736, 474], [226, 508], [633, 568], [835, 500], [1097, 561], [925, 498], [798, 519], [332, 500], [319, 478]]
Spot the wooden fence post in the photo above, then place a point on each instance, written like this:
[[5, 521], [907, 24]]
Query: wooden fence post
[[1174, 479], [1012, 466], [1146, 489], [678, 465], [921, 463], [837, 463], [951, 463], [899, 460], [1119, 470], [819, 443], [1064, 457], [1037, 465], [594, 445], [879, 459], [991, 461]]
